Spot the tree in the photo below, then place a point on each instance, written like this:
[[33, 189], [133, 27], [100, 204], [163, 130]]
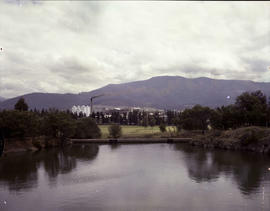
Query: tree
[[59, 125], [195, 118], [21, 105], [226, 117], [152, 122], [87, 128], [115, 130], [253, 107], [162, 127], [157, 118], [171, 115], [145, 121], [19, 124]]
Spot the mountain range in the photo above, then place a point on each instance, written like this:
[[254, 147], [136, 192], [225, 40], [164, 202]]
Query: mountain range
[[163, 92]]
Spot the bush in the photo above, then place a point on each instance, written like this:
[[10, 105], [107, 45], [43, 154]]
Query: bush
[[87, 128], [162, 127], [59, 124], [216, 133], [19, 124], [115, 131], [251, 136]]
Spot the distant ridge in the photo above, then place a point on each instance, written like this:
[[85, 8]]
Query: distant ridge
[[2, 99], [164, 92]]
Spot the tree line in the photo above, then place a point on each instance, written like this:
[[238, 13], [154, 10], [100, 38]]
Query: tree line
[[249, 109], [135, 117], [21, 123]]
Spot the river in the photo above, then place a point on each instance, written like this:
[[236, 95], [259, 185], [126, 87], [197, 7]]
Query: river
[[135, 177]]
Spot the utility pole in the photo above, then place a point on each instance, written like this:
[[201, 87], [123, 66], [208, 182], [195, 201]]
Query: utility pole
[[91, 103]]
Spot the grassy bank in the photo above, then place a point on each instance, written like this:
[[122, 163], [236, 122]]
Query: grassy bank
[[255, 139], [130, 131]]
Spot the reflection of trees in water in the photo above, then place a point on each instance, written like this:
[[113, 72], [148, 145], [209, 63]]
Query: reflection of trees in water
[[20, 172], [115, 146], [85, 152], [199, 164], [247, 168], [57, 162], [248, 171]]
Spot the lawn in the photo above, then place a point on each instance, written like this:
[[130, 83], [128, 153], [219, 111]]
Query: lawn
[[135, 131]]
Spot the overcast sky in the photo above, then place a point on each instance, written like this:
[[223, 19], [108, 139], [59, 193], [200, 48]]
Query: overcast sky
[[63, 46]]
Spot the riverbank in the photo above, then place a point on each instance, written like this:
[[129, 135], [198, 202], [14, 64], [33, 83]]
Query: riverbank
[[256, 139], [29, 144], [130, 140]]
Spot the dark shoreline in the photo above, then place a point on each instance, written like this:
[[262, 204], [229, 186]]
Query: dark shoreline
[[255, 139], [29, 144], [223, 144], [130, 140]]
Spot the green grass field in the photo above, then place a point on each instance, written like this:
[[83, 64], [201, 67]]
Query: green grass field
[[136, 131]]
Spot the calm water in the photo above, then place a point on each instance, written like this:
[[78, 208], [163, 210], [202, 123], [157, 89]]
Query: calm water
[[135, 177]]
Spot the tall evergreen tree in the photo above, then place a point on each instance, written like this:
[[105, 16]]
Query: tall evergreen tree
[[21, 105]]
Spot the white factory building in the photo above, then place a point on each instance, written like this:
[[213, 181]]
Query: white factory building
[[81, 109]]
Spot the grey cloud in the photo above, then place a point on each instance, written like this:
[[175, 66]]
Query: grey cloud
[[60, 46], [81, 16], [259, 42], [75, 72], [256, 65], [67, 66]]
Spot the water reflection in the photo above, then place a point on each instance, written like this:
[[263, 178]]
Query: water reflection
[[115, 146], [85, 152], [247, 170], [21, 172]]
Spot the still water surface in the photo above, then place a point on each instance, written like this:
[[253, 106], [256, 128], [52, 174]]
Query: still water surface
[[135, 177]]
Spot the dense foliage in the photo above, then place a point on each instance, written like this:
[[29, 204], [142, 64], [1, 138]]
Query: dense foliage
[[134, 117], [115, 130], [250, 109], [52, 123], [87, 128], [194, 118], [19, 123], [162, 127], [21, 105]]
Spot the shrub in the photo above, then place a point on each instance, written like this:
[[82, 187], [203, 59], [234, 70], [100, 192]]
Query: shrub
[[216, 133], [59, 124], [251, 136], [19, 124], [162, 127], [87, 128], [115, 131]]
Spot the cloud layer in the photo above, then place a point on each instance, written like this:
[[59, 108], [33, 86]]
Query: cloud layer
[[56, 46]]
